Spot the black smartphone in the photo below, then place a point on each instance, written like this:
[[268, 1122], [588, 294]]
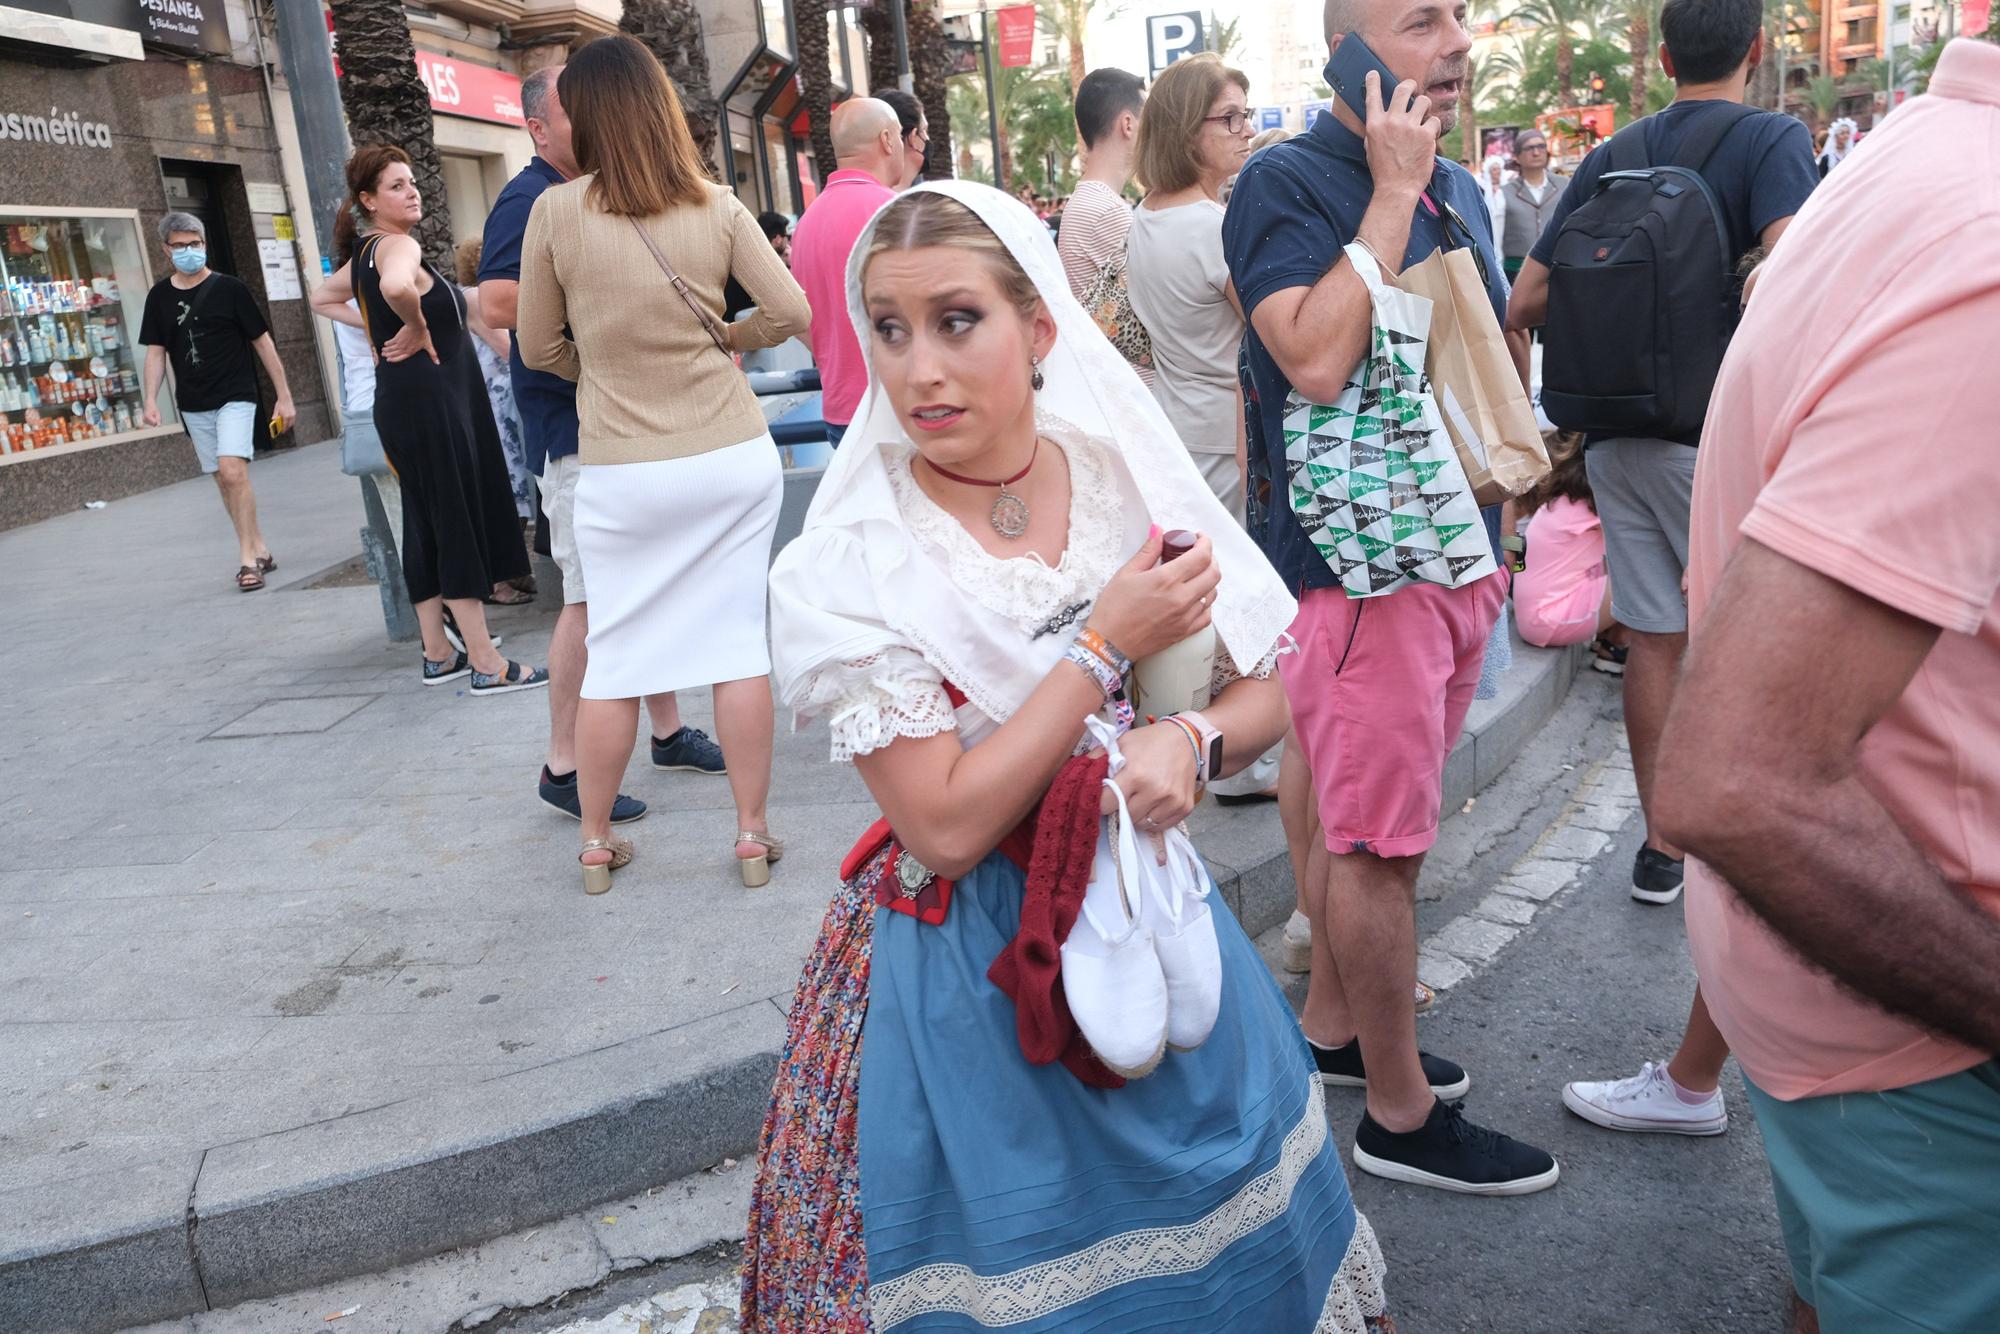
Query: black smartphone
[[1347, 72]]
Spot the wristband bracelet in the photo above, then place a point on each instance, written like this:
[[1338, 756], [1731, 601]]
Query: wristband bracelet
[[1096, 668], [1106, 651], [1186, 729]]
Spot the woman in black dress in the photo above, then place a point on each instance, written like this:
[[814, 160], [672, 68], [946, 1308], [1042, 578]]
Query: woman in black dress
[[460, 535]]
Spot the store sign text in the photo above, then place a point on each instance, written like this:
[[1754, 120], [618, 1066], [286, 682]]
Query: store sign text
[[58, 127], [475, 91]]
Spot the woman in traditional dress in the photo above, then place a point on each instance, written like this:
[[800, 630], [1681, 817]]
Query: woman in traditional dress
[[944, 1150]]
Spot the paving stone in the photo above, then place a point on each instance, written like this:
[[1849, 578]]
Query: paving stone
[[1506, 908], [1573, 843], [1538, 878], [1473, 939], [1441, 972], [279, 716]]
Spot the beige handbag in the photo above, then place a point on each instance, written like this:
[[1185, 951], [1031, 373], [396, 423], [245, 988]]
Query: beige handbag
[[715, 328]]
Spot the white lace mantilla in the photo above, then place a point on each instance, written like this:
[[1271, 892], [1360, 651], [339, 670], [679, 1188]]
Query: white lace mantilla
[[1043, 1289]]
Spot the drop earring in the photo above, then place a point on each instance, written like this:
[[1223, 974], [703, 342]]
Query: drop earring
[[1035, 377]]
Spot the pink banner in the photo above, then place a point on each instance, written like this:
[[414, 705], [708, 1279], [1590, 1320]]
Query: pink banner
[[1976, 15], [1017, 34]]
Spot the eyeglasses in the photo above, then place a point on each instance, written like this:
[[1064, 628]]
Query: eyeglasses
[[178, 246], [1232, 121], [1465, 237], [1531, 148]]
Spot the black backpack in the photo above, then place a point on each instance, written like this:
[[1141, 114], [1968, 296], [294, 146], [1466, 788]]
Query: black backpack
[[1642, 292]]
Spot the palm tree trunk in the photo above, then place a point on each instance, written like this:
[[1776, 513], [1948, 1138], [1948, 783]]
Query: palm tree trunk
[[671, 30], [1639, 40], [816, 80], [1565, 68], [387, 103], [930, 68]]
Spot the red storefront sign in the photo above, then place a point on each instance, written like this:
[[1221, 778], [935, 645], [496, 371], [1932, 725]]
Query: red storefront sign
[[1017, 35], [459, 88]]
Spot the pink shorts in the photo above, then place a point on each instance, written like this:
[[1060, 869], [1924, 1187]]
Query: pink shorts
[[1379, 691]]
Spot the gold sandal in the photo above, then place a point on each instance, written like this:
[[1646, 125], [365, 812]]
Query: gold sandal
[[757, 870], [597, 877]]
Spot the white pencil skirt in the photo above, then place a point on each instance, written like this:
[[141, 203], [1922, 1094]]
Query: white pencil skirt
[[676, 555]]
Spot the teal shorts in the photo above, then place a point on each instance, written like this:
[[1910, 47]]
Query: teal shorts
[[1890, 1202]]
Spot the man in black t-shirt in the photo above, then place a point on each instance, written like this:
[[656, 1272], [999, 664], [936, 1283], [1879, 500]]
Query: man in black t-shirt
[[208, 325], [1761, 172]]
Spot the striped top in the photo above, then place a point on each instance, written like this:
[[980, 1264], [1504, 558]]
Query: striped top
[[1094, 223]]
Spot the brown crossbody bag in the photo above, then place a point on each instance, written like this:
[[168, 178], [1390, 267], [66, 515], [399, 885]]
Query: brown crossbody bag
[[714, 327]]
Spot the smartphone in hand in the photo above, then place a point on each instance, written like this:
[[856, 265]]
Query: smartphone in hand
[[1347, 72]]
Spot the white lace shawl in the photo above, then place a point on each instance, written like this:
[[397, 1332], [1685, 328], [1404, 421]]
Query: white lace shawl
[[857, 582]]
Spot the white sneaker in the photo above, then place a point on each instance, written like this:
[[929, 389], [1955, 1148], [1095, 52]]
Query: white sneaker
[[1298, 944], [1176, 914], [1112, 978], [1645, 1103]]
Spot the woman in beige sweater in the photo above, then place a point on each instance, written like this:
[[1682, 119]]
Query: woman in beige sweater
[[677, 497]]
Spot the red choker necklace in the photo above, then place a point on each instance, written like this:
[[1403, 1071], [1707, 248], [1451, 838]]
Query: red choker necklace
[[1010, 513]]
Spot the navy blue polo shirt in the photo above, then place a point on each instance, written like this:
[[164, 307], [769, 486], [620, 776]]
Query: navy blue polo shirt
[[546, 402], [1293, 209]]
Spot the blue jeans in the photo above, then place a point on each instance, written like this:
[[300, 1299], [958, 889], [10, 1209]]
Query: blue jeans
[[834, 431]]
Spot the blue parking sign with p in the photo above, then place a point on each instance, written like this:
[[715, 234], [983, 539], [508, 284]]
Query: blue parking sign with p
[[1171, 36]]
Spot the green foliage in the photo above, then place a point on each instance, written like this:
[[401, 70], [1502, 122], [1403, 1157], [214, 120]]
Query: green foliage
[[1534, 87], [1823, 95]]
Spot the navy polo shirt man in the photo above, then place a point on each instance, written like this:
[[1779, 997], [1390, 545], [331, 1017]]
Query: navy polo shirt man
[[1380, 686]]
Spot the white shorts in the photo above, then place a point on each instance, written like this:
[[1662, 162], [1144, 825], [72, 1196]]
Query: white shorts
[[229, 430], [558, 484]]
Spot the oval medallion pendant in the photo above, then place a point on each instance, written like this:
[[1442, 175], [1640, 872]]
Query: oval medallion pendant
[[1010, 515]]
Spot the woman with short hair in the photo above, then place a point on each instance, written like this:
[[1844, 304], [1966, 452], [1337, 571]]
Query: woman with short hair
[[622, 277], [1194, 134]]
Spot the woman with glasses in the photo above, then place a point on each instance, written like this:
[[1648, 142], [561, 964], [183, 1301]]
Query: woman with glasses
[[1530, 200], [1194, 134]]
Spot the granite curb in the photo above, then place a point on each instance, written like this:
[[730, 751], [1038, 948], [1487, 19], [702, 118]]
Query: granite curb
[[392, 1184]]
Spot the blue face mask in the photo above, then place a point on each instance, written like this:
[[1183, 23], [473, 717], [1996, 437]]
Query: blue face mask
[[190, 261]]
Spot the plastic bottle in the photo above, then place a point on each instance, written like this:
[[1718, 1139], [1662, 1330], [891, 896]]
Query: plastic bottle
[[1178, 676]]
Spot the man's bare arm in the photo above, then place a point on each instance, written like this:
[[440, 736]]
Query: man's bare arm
[[1757, 777], [500, 302]]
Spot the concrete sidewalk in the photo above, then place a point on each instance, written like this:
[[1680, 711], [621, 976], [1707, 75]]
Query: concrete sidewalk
[[296, 977]]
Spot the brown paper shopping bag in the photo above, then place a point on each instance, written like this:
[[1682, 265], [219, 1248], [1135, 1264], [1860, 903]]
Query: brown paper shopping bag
[[1479, 394]]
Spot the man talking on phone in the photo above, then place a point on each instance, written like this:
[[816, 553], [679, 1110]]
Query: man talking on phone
[[1380, 686]]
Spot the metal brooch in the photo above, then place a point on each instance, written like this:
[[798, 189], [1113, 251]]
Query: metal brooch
[[912, 874]]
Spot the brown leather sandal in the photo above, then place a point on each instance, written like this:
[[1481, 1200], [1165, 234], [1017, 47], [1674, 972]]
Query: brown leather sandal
[[248, 580]]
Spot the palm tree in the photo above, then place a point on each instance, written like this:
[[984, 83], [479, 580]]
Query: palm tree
[[1070, 20], [930, 73], [1823, 95], [1225, 36], [1561, 18], [387, 103], [1639, 16], [816, 80], [671, 30]]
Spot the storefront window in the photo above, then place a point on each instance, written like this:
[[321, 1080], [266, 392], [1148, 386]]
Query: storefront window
[[72, 286], [777, 26]]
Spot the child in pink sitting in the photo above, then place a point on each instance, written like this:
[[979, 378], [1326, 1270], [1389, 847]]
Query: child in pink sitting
[[1563, 596]]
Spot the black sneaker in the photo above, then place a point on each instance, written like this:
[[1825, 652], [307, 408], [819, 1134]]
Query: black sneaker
[[1656, 877], [458, 640], [1341, 1067], [563, 796], [1449, 1152], [689, 750], [437, 673]]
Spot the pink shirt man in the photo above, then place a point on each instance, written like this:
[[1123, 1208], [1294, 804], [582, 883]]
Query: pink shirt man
[[1854, 431], [821, 243]]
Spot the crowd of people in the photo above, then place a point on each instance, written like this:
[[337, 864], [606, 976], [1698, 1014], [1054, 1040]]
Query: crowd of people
[[1067, 467]]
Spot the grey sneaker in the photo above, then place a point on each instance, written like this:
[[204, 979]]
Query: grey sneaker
[[1656, 877]]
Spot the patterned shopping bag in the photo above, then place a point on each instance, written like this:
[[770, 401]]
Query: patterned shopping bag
[[1373, 476]]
